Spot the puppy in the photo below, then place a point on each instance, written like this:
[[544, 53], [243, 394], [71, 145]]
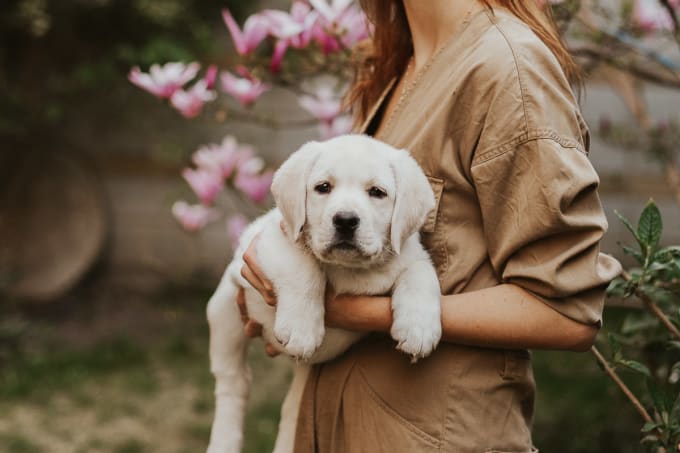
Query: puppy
[[352, 207]]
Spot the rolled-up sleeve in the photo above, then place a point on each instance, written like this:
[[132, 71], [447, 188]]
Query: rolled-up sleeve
[[543, 222]]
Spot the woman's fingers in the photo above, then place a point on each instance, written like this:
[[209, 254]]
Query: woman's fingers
[[270, 350], [241, 303], [250, 257], [253, 329]]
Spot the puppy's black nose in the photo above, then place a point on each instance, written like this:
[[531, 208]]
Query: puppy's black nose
[[346, 222]]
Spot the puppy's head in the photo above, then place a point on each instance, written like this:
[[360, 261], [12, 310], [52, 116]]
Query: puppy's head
[[352, 199]]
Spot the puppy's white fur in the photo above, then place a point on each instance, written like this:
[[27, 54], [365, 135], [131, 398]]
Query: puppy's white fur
[[384, 256]]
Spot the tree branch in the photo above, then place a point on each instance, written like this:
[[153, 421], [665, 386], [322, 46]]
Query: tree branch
[[653, 308], [624, 388]]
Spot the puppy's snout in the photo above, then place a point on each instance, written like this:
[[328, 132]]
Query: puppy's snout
[[346, 223]]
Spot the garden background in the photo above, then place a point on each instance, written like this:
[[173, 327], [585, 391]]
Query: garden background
[[103, 337]]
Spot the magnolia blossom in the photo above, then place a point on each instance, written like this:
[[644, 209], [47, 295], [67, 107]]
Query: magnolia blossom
[[164, 81], [292, 29], [650, 16], [339, 126], [353, 27], [189, 103], [223, 158], [331, 12], [206, 183], [245, 90], [324, 104], [255, 186], [210, 76], [193, 217], [235, 226], [255, 29]]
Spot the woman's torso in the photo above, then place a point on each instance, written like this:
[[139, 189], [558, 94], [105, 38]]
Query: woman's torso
[[467, 104]]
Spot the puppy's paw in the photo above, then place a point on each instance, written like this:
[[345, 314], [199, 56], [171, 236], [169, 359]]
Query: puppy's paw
[[300, 337], [417, 331]]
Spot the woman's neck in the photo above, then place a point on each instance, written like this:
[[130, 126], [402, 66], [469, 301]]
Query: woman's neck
[[432, 22]]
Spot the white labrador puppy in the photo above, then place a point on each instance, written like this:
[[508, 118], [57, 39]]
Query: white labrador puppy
[[352, 207]]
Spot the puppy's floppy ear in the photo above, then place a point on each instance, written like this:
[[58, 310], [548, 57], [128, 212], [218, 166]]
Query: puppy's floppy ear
[[414, 198], [289, 187]]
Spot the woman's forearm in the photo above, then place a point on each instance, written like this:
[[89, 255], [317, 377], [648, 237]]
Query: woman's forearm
[[503, 316]]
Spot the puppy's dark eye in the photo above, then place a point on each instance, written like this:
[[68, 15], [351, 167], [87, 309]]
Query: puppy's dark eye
[[376, 192], [324, 187]]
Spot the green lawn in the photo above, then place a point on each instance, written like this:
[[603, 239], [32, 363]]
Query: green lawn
[[121, 379]]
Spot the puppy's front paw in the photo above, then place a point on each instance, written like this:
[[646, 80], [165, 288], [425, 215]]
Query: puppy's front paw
[[300, 337], [417, 331]]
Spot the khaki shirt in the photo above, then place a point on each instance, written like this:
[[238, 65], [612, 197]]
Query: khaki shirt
[[495, 126]]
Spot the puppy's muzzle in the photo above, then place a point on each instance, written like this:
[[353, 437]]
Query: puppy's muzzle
[[346, 224]]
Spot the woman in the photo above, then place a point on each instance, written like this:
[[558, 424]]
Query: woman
[[478, 92]]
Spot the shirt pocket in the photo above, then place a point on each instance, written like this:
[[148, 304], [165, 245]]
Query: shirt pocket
[[391, 428], [437, 185]]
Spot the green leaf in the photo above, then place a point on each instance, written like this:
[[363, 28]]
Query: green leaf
[[614, 344], [627, 223], [650, 226], [635, 366], [667, 253], [630, 251], [647, 427]]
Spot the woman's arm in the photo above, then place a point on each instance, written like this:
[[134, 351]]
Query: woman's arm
[[503, 316]]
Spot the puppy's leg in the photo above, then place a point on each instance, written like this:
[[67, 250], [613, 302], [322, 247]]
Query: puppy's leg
[[416, 310], [300, 284], [285, 440], [228, 347]]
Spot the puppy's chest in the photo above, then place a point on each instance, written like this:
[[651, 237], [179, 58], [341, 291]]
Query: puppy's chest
[[362, 281]]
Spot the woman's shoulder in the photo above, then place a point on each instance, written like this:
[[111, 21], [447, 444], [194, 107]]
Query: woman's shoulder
[[508, 49]]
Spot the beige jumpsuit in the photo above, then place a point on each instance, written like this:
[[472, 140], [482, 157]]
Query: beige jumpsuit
[[495, 126]]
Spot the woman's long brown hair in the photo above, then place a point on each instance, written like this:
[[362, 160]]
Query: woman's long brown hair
[[391, 47]]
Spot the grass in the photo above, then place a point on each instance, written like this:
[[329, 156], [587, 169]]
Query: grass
[[148, 388]]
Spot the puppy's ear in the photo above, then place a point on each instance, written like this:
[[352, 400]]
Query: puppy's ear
[[413, 201], [289, 187]]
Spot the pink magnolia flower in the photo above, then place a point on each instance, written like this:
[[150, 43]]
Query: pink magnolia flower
[[326, 39], [163, 81], [210, 76], [255, 29], [353, 27], [193, 217], [244, 90], [206, 183], [341, 125], [223, 158], [254, 186], [189, 103], [651, 17], [324, 104], [235, 226], [330, 12], [292, 29]]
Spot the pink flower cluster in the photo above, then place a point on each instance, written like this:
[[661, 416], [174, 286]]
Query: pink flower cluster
[[334, 27], [325, 105], [217, 165], [168, 81], [650, 16]]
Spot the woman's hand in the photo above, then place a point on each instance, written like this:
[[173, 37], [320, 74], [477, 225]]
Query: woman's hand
[[252, 272]]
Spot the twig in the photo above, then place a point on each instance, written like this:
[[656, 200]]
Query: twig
[[602, 55], [624, 388], [654, 308], [271, 122]]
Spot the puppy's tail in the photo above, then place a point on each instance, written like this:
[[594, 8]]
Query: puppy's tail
[[228, 348]]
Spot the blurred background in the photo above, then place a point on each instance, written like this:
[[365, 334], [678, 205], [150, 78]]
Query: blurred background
[[103, 337]]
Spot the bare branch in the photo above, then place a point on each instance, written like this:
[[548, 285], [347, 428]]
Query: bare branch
[[624, 388]]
